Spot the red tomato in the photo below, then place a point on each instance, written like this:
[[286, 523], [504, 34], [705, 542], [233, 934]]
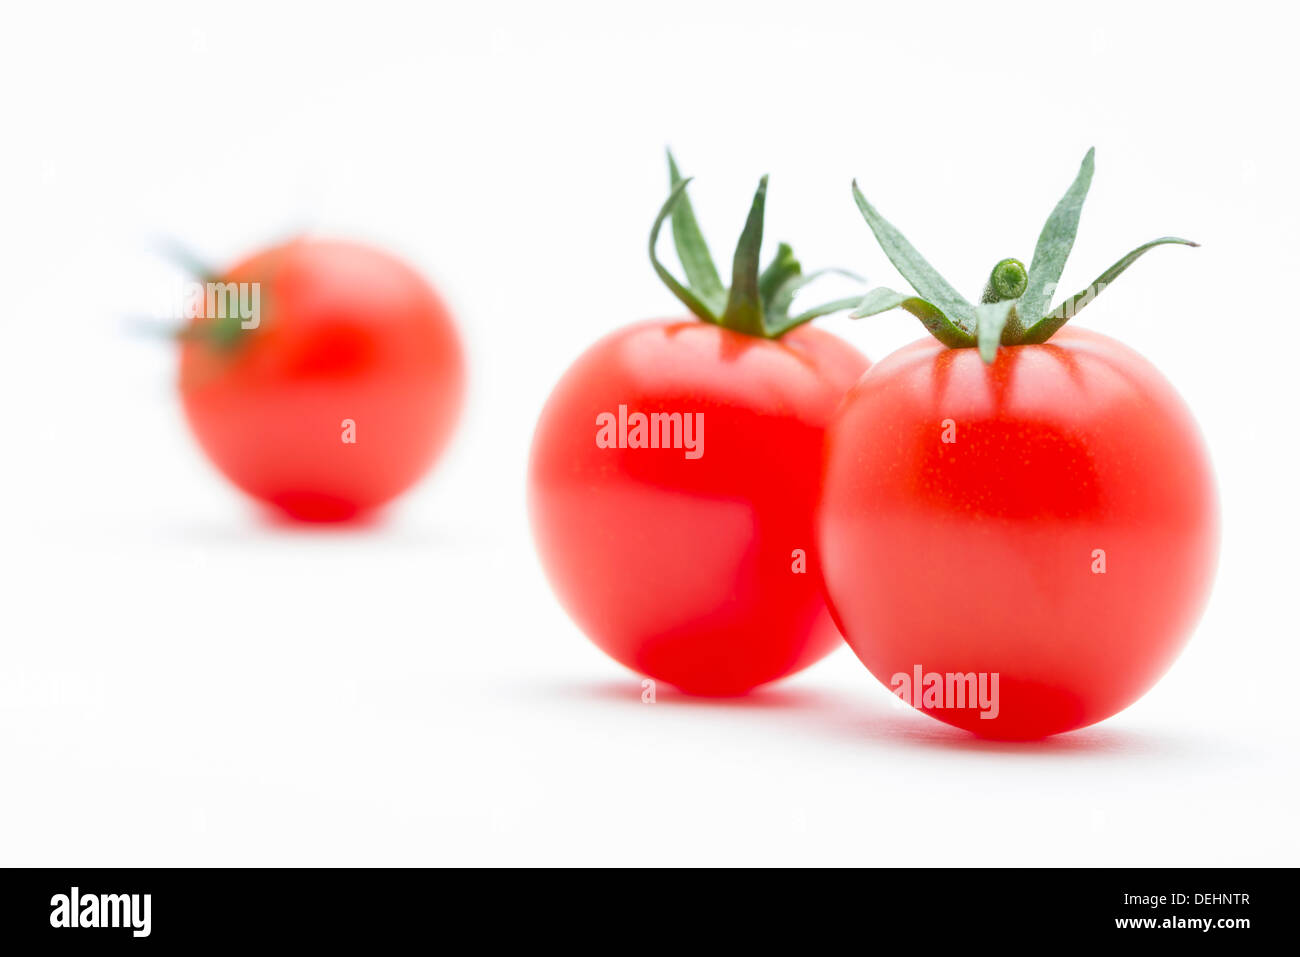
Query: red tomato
[[1049, 519], [348, 336], [683, 568]]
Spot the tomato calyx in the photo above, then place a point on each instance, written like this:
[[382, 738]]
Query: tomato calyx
[[222, 331], [1014, 309], [759, 302]]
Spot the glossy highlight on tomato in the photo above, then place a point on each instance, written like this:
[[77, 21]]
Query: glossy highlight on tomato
[[349, 337], [688, 569], [1049, 518]]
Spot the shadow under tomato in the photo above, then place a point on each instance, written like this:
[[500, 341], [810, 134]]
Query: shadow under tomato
[[339, 522], [918, 731], [630, 692], [378, 531], [872, 722]]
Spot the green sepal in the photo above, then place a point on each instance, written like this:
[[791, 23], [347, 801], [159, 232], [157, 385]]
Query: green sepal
[[882, 299], [1046, 327], [783, 270], [933, 288], [688, 298], [187, 260], [744, 311], [783, 297], [991, 320], [1054, 245], [816, 312], [693, 251]]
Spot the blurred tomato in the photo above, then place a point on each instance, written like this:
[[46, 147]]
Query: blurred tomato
[[343, 393]]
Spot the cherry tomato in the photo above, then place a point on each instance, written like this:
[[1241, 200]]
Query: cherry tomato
[[694, 569], [1049, 519], [341, 396]]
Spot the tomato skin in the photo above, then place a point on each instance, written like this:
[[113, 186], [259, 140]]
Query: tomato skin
[[977, 555], [346, 332], [681, 569]]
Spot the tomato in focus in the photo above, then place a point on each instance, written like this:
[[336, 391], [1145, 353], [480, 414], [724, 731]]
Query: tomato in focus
[[1050, 519], [687, 569]]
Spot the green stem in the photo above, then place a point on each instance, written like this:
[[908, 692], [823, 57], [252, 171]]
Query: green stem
[[1007, 281]]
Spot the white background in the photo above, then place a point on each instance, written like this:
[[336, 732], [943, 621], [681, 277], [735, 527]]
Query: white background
[[182, 683]]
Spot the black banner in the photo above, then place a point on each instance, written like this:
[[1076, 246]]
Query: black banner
[[914, 909]]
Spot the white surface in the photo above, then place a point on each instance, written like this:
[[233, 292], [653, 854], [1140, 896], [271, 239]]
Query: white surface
[[182, 684]]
